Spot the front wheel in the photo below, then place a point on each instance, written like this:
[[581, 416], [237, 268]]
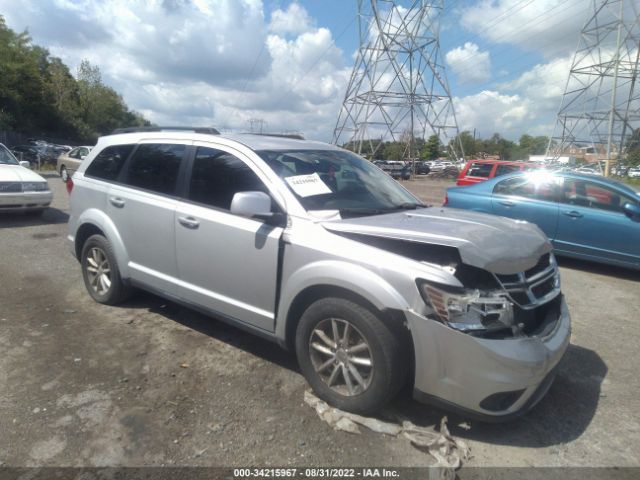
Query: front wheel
[[100, 272], [350, 357], [64, 174]]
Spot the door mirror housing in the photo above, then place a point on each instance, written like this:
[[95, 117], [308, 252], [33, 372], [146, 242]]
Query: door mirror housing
[[632, 210], [25, 164], [82, 157], [255, 205]]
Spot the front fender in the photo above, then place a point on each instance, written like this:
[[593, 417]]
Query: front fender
[[98, 218], [354, 278]]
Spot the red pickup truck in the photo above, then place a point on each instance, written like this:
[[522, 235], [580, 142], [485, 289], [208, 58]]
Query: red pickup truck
[[480, 170]]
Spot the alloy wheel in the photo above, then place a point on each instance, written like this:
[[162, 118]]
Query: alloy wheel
[[341, 356], [98, 271]]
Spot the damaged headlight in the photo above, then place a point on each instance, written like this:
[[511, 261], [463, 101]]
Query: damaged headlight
[[469, 310]]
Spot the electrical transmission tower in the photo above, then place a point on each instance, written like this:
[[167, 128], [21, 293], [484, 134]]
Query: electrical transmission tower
[[601, 104], [398, 88]]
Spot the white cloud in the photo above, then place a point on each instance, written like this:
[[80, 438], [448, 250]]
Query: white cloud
[[469, 64], [199, 62], [293, 20], [549, 26]]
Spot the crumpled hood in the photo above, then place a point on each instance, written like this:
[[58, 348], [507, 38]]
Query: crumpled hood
[[499, 245], [16, 173]]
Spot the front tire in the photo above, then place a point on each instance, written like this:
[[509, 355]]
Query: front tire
[[349, 356], [100, 272]]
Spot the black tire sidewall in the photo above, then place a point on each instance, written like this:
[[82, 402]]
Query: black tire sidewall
[[388, 374]]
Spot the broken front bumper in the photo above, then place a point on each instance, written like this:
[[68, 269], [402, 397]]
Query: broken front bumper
[[489, 379]]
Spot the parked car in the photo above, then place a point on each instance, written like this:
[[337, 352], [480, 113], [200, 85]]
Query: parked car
[[27, 153], [20, 188], [397, 169], [584, 216], [439, 166], [69, 162], [588, 171], [351, 271], [476, 171], [422, 168], [634, 172]]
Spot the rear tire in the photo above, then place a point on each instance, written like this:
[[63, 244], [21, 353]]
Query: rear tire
[[100, 272], [359, 372]]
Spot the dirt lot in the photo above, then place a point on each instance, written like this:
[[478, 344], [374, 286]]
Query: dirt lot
[[151, 383]]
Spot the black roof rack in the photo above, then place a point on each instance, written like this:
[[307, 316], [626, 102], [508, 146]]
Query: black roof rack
[[207, 130], [295, 136]]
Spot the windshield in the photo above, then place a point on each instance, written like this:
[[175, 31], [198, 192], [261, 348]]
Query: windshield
[[338, 180], [6, 157]]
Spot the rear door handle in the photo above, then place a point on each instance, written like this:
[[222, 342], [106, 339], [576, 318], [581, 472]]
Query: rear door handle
[[572, 214], [507, 203], [116, 202], [189, 222]]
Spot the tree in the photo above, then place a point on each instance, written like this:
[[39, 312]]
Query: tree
[[633, 148], [432, 148]]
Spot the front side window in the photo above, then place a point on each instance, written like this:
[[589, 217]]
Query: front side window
[[75, 153], [155, 167], [584, 193], [504, 169], [217, 176], [109, 162], [338, 180]]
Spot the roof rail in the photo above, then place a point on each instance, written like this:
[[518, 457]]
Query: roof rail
[[206, 130], [295, 136]]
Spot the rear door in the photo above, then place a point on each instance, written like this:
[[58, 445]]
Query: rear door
[[226, 262], [142, 205], [528, 198], [592, 222]]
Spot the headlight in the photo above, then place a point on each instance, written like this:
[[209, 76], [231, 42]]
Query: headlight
[[469, 310], [35, 186]]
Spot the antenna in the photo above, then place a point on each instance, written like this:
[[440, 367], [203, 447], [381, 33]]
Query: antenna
[[398, 89], [601, 103]]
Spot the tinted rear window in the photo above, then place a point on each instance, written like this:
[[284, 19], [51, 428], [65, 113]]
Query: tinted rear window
[[109, 162], [504, 169], [155, 167], [480, 170]]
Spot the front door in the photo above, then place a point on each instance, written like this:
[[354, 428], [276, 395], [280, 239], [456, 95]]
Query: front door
[[226, 262]]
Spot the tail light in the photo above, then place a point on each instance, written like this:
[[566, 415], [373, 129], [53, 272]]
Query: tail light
[[446, 200], [69, 185]]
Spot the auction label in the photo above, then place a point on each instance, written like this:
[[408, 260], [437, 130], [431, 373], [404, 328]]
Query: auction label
[[320, 472], [308, 185]]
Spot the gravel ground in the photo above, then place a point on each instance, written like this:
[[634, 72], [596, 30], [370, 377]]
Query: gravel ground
[[152, 383]]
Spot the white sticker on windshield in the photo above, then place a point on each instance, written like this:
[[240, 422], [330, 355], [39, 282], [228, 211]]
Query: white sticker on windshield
[[308, 185]]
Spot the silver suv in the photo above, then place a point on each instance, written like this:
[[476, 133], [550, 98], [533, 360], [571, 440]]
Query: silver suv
[[317, 249]]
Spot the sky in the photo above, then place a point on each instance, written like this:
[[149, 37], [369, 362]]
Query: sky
[[285, 65]]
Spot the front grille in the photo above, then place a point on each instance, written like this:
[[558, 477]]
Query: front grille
[[10, 187], [534, 286]]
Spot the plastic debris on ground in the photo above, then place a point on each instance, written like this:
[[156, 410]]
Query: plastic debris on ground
[[448, 451]]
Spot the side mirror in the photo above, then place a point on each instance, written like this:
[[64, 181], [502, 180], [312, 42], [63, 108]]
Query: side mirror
[[25, 164], [254, 205], [82, 157], [631, 210]]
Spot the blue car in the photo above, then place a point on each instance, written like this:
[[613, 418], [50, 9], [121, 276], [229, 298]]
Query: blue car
[[586, 217]]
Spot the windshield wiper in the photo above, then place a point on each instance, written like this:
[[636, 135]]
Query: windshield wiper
[[408, 206]]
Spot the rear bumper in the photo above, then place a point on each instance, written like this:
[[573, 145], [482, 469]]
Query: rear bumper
[[491, 380]]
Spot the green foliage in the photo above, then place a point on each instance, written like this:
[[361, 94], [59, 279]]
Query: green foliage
[[633, 148], [39, 95], [432, 148]]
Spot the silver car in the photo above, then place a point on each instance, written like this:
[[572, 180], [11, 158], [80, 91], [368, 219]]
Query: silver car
[[315, 248], [21, 189]]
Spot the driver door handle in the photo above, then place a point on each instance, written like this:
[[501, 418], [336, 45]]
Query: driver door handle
[[116, 202], [572, 214], [189, 222], [507, 203]]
